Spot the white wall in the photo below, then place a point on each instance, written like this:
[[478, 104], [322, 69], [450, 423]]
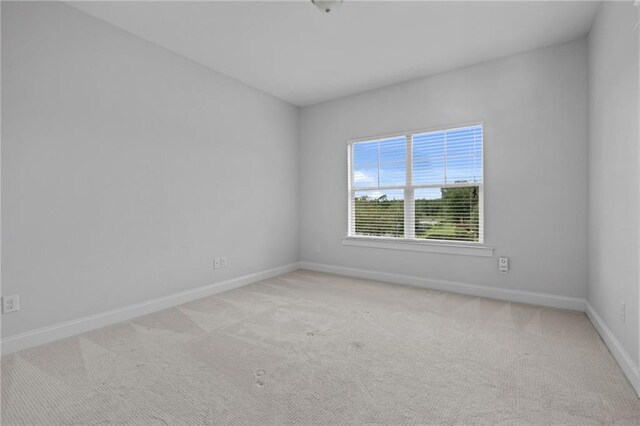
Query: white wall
[[614, 188], [534, 106], [126, 169]]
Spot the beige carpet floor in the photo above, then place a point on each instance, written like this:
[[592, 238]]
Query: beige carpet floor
[[308, 347]]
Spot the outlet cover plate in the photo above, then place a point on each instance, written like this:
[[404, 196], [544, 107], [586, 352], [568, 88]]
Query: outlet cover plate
[[10, 303]]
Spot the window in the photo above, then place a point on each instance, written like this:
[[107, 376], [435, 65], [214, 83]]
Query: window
[[424, 186]]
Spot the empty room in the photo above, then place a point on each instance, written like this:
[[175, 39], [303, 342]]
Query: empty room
[[320, 212]]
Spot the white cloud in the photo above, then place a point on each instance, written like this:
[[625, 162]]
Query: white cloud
[[365, 177]]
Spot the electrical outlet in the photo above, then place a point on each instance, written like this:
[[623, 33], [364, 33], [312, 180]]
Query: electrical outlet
[[10, 303], [623, 313], [216, 263], [316, 250], [223, 262]]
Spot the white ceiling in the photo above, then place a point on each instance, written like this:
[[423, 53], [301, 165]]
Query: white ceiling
[[298, 54]]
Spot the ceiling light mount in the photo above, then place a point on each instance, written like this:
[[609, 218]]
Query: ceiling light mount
[[326, 6]]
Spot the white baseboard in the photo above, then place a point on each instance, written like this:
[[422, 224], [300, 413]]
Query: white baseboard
[[59, 331], [533, 298], [625, 361]]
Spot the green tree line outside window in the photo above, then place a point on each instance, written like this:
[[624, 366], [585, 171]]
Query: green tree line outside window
[[453, 216]]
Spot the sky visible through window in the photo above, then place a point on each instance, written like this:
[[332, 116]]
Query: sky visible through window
[[440, 157]]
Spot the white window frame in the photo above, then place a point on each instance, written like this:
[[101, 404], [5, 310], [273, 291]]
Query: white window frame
[[409, 242]]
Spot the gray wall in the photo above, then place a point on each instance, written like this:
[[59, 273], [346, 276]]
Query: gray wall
[[534, 106], [126, 169], [614, 170]]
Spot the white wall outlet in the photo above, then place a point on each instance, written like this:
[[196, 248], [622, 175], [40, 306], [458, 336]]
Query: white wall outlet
[[623, 313], [316, 249], [223, 262], [10, 303], [216, 263], [503, 264]]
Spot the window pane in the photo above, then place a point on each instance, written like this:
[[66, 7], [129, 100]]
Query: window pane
[[463, 169], [393, 174], [428, 171], [447, 214], [380, 162], [365, 176], [428, 158], [464, 155], [379, 213], [448, 156], [365, 153], [393, 160], [393, 150], [460, 141]]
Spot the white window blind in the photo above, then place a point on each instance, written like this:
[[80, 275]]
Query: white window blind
[[418, 186]]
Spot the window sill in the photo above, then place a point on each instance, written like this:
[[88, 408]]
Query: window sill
[[424, 246]]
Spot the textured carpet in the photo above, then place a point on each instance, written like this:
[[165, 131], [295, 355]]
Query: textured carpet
[[315, 348]]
